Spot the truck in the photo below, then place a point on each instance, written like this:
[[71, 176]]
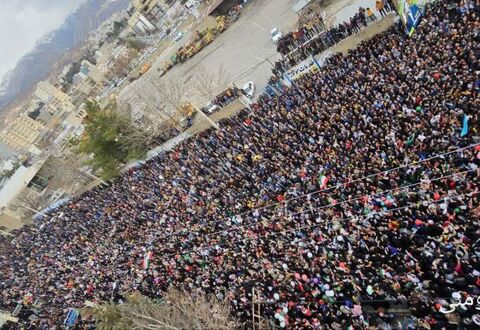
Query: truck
[[145, 68], [203, 38]]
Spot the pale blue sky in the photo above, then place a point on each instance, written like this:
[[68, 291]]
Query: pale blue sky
[[23, 22]]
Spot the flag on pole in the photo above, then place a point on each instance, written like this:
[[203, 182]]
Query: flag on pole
[[72, 316], [464, 126], [146, 259], [316, 62], [323, 181], [411, 140]]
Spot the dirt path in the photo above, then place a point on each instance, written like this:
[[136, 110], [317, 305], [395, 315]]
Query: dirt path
[[372, 30]]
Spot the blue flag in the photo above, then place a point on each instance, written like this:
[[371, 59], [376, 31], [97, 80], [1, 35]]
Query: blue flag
[[316, 62], [464, 126], [72, 317], [393, 250]]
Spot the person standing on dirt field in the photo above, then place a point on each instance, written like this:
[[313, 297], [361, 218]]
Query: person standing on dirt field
[[381, 7], [371, 15], [354, 25], [363, 16], [389, 6]]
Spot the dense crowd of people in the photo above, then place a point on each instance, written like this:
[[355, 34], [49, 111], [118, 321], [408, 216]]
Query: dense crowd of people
[[228, 96], [312, 37], [350, 195], [292, 40]]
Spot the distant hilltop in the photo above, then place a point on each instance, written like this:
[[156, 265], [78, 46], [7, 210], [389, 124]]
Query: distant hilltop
[[37, 64]]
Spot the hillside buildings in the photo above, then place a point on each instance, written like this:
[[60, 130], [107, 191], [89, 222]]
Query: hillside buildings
[[150, 15], [90, 80], [53, 97], [20, 134]]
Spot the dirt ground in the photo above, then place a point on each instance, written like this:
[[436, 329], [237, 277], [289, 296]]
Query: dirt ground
[[8, 223], [374, 29]]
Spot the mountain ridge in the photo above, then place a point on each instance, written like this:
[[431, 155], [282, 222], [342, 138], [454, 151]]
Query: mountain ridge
[[36, 64]]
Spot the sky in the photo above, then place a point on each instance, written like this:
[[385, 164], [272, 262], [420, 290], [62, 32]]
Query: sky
[[23, 22]]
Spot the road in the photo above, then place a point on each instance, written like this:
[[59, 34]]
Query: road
[[244, 45], [241, 49]]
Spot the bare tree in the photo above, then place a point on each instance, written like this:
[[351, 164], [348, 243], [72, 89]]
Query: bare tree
[[32, 201], [120, 67], [132, 54], [143, 138], [78, 168], [172, 93], [208, 84], [177, 310], [157, 109], [125, 110], [64, 172], [142, 133]]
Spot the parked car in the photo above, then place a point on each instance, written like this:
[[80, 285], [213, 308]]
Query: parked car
[[178, 36], [249, 89], [276, 35], [210, 108], [234, 12]]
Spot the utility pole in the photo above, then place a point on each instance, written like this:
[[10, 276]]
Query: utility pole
[[202, 114], [32, 209], [176, 124], [93, 177]]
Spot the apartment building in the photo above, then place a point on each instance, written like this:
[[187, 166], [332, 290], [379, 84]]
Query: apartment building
[[53, 96], [147, 14], [21, 133]]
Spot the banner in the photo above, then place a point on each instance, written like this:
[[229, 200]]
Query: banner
[[410, 14], [311, 64], [270, 91], [71, 318], [464, 130], [146, 259]]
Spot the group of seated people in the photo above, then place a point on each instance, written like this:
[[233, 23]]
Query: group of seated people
[[349, 200]]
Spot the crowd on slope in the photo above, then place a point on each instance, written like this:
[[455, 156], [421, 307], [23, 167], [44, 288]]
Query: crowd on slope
[[354, 191]]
